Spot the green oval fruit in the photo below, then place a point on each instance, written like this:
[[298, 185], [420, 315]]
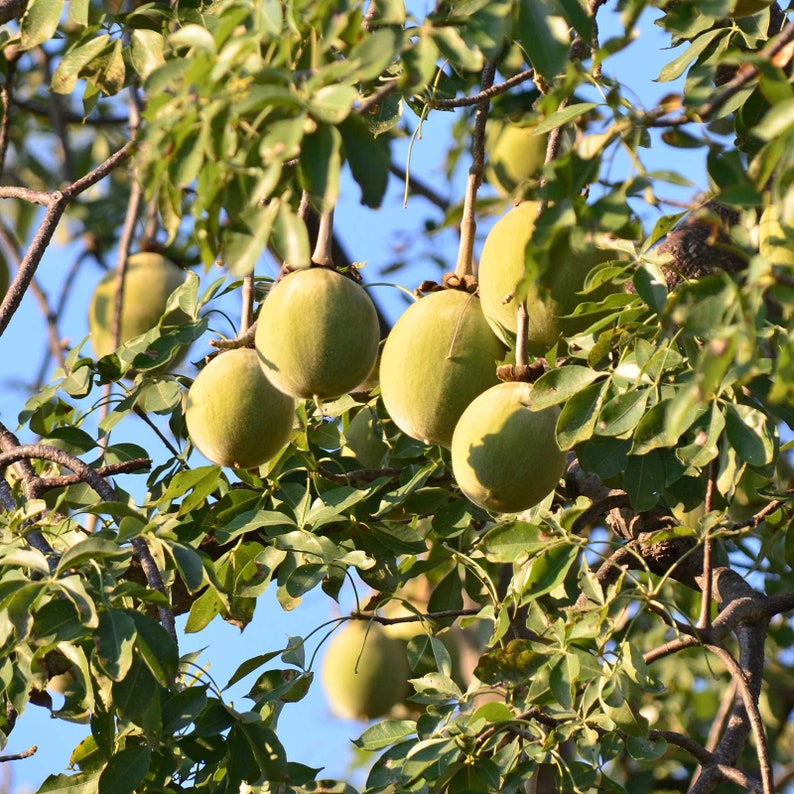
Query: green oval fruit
[[234, 415], [438, 357], [148, 282], [746, 8], [502, 267], [317, 334], [505, 456], [365, 672], [364, 436], [513, 156]]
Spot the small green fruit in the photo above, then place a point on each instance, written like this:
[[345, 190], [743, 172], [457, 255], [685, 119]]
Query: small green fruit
[[502, 267], [148, 282], [234, 415], [505, 456], [438, 357], [513, 156], [364, 436], [365, 672], [746, 8], [317, 334]]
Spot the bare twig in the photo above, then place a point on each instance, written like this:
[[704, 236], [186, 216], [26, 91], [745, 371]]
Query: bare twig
[[485, 94], [56, 204], [468, 225], [31, 751], [708, 544], [247, 310]]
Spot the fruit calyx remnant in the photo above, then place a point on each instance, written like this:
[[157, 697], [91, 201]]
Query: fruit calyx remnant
[[466, 283]]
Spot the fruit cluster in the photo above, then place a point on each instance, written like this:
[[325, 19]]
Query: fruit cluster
[[317, 337]]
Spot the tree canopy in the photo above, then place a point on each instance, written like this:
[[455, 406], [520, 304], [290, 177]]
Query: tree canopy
[[628, 629]]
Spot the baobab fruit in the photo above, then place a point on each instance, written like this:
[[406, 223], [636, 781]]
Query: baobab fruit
[[234, 415], [503, 266], [513, 155], [149, 280], [317, 335], [438, 357], [505, 456], [365, 672]]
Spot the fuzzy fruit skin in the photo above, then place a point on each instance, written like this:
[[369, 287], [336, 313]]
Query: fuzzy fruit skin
[[502, 266], [317, 334], [148, 282], [505, 457], [234, 415], [513, 155], [746, 8], [439, 356], [364, 684]]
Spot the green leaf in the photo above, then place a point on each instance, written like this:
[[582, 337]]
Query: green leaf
[[332, 104], [622, 413], [368, 158], [579, 415], [384, 734], [91, 550], [651, 285], [653, 431], [751, 434], [560, 384], [81, 783], [561, 117], [126, 770], [544, 38], [645, 479], [245, 240], [291, 238], [705, 447], [777, 122], [115, 637], [70, 67], [156, 647], [605, 457], [376, 52], [40, 22], [319, 167], [136, 697], [548, 569], [146, 51], [512, 541], [189, 564]]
